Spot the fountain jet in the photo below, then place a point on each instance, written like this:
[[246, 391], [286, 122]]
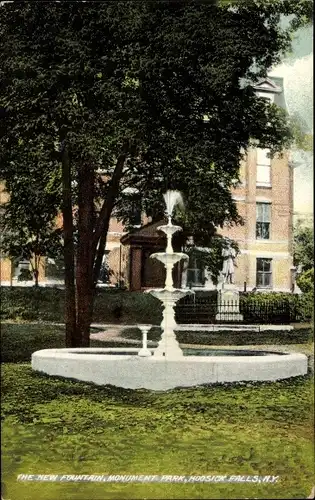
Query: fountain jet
[[172, 198]]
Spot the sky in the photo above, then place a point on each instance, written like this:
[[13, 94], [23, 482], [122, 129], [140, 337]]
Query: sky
[[297, 72]]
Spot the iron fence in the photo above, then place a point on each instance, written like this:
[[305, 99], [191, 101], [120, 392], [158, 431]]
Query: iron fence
[[207, 310]]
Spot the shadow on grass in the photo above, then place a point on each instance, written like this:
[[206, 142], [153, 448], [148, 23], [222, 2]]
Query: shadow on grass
[[19, 341]]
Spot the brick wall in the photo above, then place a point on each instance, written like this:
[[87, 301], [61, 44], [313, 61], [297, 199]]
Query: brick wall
[[279, 246]]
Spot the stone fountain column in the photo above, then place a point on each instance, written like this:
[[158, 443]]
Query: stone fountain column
[[168, 345]]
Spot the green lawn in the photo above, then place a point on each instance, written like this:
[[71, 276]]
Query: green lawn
[[227, 337], [19, 341], [55, 426]]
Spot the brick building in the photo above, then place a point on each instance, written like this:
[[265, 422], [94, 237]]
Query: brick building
[[264, 199]]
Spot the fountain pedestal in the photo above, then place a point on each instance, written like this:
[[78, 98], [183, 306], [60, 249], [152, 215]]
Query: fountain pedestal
[[228, 303], [144, 351], [168, 346]]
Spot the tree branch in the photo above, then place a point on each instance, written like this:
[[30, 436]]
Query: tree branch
[[108, 204]]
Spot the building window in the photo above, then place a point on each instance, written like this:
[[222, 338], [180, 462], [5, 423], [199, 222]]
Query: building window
[[263, 216], [263, 178], [263, 273]]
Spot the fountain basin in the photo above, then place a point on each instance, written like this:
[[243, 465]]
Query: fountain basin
[[169, 258], [170, 229], [123, 368], [173, 295]]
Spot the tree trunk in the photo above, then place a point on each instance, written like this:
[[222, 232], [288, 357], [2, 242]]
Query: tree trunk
[[91, 244], [101, 229], [35, 269], [36, 273], [84, 270], [99, 256], [72, 338]]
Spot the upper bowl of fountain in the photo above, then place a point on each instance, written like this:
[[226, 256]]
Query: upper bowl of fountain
[[170, 229], [144, 327], [169, 258], [169, 294]]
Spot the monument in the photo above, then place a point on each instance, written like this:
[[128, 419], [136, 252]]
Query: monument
[[228, 294]]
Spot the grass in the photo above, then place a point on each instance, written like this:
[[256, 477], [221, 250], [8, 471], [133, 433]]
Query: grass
[[56, 426], [227, 337], [19, 341]]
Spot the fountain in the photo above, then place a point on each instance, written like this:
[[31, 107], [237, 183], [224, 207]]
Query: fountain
[[168, 346], [167, 366]]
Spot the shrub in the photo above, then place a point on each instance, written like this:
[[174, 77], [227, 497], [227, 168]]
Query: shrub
[[272, 307], [25, 275], [118, 306], [306, 281], [305, 307], [126, 307], [111, 305], [32, 303]]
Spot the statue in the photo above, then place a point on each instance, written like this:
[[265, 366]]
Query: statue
[[228, 255], [228, 296]]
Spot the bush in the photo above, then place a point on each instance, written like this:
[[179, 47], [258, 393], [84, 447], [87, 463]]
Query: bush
[[306, 281], [272, 307], [117, 306], [25, 275], [111, 305], [126, 307], [32, 303], [305, 307]]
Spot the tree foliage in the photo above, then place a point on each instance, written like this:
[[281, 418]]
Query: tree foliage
[[125, 87], [28, 222], [305, 281], [303, 247], [303, 139]]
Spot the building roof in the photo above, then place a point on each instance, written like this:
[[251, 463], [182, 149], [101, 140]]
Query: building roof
[[147, 232], [273, 85]]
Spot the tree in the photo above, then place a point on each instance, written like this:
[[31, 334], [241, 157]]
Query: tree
[[28, 222], [305, 282], [158, 95], [29, 233], [303, 247], [303, 139]]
